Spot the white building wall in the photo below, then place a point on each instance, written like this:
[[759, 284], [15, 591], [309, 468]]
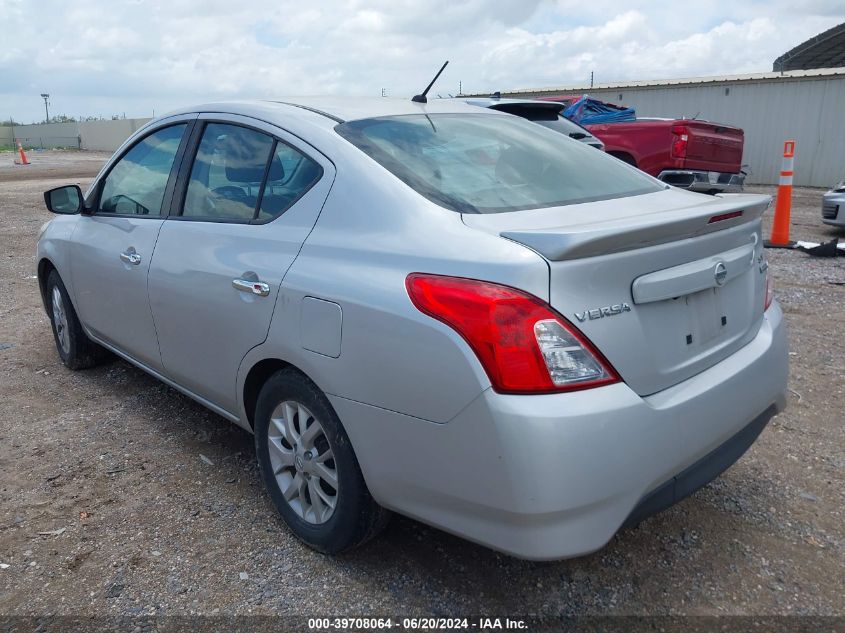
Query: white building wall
[[810, 110]]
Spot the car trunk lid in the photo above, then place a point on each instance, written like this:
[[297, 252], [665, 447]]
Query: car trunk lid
[[664, 284]]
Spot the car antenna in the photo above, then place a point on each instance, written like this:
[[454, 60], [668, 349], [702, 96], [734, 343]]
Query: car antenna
[[421, 98]]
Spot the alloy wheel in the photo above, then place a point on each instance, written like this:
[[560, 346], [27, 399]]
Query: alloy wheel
[[303, 462], [60, 320]]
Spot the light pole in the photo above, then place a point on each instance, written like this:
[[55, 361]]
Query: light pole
[[46, 96]]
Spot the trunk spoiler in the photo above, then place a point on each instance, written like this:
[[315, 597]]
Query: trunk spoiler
[[601, 238]]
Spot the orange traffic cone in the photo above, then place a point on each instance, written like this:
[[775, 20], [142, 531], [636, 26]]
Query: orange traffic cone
[[783, 205], [22, 153]]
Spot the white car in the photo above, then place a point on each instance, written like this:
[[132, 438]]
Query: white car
[[833, 206]]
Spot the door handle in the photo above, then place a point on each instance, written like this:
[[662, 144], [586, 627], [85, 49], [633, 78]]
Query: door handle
[[130, 257], [254, 287]]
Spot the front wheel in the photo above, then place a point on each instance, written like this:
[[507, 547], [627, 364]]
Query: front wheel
[[309, 468], [75, 349]]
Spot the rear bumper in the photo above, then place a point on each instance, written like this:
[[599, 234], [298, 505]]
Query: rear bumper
[[703, 181], [701, 472], [833, 208], [555, 476]]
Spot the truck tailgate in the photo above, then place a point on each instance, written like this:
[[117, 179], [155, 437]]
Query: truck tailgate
[[713, 147]]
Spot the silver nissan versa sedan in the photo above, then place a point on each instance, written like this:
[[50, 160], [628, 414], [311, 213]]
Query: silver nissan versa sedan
[[431, 308]]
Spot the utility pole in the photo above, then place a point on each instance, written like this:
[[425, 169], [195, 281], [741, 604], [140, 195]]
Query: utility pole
[[460, 88], [591, 79], [46, 96], [383, 92]]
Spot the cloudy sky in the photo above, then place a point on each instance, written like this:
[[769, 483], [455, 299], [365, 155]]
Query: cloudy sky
[[138, 56]]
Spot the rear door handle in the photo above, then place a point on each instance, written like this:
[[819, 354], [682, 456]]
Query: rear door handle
[[130, 257], [254, 287]]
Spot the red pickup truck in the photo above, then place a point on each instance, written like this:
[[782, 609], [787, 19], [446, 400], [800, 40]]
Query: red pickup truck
[[687, 153]]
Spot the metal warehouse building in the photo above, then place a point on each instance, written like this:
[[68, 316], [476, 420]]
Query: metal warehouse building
[[805, 105]]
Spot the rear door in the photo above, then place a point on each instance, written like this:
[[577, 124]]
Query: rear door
[[243, 207], [112, 248]]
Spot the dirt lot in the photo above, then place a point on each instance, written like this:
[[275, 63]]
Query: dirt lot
[[108, 507]]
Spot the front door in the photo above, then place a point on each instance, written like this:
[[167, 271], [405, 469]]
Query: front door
[[113, 247], [252, 196]]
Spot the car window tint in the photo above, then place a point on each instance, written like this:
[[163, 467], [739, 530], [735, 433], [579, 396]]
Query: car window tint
[[136, 184], [227, 173], [481, 163], [291, 175]]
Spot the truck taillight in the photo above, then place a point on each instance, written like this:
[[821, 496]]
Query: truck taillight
[[522, 343], [680, 141]]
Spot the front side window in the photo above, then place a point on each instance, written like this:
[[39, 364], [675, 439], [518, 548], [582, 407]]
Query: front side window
[[136, 184], [480, 163]]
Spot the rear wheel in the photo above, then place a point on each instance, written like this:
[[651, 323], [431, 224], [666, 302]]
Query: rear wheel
[[309, 467], [625, 158], [75, 349]]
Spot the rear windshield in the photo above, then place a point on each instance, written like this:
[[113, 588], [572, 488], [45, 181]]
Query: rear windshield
[[482, 163]]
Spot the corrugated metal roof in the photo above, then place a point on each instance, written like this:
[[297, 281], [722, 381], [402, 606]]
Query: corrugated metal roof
[[792, 75], [825, 50]]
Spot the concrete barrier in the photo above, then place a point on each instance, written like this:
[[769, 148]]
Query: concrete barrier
[[47, 135], [94, 135], [107, 135], [6, 136]]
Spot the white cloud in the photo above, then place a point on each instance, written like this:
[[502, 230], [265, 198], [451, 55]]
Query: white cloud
[[98, 57]]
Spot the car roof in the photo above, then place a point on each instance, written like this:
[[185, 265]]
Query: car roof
[[338, 109]]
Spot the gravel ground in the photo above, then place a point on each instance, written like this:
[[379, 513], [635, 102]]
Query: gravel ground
[[121, 496]]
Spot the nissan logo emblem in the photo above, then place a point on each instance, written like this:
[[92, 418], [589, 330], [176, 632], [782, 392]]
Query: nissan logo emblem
[[720, 273]]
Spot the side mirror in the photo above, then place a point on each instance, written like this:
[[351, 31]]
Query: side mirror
[[65, 200]]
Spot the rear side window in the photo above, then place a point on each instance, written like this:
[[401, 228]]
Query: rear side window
[[291, 175], [136, 183], [481, 163], [243, 175]]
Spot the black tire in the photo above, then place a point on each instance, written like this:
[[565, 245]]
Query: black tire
[[356, 517], [625, 158], [80, 352]]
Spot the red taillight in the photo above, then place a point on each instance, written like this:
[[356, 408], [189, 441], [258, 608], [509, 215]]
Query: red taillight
[[679, 143], [522, 343]]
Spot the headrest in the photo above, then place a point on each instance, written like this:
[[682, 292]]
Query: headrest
[[246, 160], [277, 170]]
